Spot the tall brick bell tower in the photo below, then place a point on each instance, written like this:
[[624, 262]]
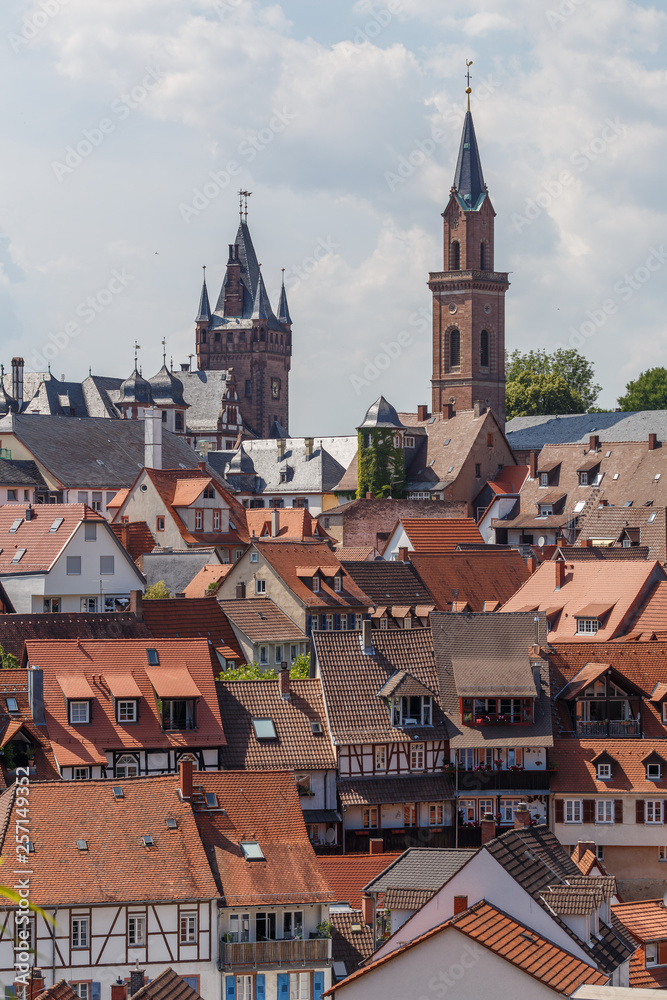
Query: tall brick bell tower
[[243, 333], [469, 295]]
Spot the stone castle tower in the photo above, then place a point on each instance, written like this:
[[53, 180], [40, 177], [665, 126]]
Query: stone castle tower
[[243, 333], [469, 295]]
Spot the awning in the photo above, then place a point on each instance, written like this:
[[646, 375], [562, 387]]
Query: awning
[[172, 682], [321, 816], [75, 686], [123, 685]]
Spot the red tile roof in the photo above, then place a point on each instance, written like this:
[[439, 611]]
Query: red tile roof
[[115, 866], [135, 536], [14, 683], [261, 620], [42, 546], [94, 662], [438, 534], [653, 616], [209, 576], [287, 558], [645, 919], [16, 630], [296, 523], [347, 874], [264, 807], [577, 773], [193, 618], [167, 986], [59, 991], [477, 576]]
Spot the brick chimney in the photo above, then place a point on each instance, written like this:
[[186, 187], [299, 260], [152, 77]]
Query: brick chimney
[[369, 496], [186, 769], [422, 412], [561, 542], [447, 411], [35, 985], [586, 543], [240, 591], [521, 816], [460, 904], [581, 847], [119, 990], [559, 574], [531, 563], [593, 442], [403, 554], [136, 603], [367, 910], [479, 409], [652, 442], [136, 980], [488, 827], [532, 465], [283, 681], [376, 845]]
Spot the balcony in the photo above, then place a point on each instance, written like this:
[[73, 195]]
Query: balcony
[[254, 953], [499, 780], [614, 729]]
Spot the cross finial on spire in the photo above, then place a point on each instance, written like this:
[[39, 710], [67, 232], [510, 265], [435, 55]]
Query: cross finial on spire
[[283, 274], [137, 347], [164, 350], [468, 88], [243, 205]]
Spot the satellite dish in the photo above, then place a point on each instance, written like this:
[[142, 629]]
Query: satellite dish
[[330, 836], [541, 541]]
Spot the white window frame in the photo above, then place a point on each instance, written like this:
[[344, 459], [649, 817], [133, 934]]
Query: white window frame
[[122, 710], [82, 990], [380, 758], [299, 986], [370, 816], [604, 811], [136, 930], [80, 773], [604, 772], [245, 987], [409, 814], [78, 705], [417, 757], [651, 952], [264, 656], [656, 775], [316, 584], [260, 586], [544, 478], [279, 654], [187, 929], [436, 813], [573, 811], [653, 812], [507, 809], [662, 853], [80, 932], [125, 761], [587, 626]]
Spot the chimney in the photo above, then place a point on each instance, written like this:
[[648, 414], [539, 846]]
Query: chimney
[[119, 990], [17, 380], [422, 412], [521, 816], [29, 513], [532, 462], [240, 591], [447, 411], [559, 568], [36, 694], [369, 496], [186, 768], [35, 985], [536, 651], [367, 910], [376, 845], [479, 409], [152, 438], [283, 681], [366, 637], [460, 904], [587, 543], [561, 542], [275, 522], [652, 439], [581, 847], [594, 442], [280, 443], [309, 447], [136, 980], [531, 563], [136, 604], [201, 466], [403, 554], [488, 826]]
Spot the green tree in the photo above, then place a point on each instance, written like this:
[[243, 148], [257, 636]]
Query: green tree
[[253, 672], [539, 382], [647, 392], [157, 591], [300, 667], [9, 662], [380, 464]]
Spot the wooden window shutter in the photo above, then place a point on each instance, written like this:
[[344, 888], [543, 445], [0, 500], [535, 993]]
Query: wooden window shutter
[[639, 811], [662, 952], [618, 810], [589, 811], [559, 810]]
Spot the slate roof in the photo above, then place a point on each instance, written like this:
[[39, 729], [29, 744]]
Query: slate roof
[[203, 393], [16, 630], [168, 985], [478, 577], [92, 452], [421, 868], [193, 618], [351, 681], [438, 535], [296, 747], [20, 473], [492, 654], [531, 433], [375, 791], [468, 177], [256, 467], [262, 807], [261, 620], [351, 939], [570, 553], [389, 583], [381, 414], [347, 874], [116, 867]]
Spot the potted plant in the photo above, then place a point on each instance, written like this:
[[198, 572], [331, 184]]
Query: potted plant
[[324, 929]]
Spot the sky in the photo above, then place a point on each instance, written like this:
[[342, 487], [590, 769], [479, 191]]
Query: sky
[[129, 126]]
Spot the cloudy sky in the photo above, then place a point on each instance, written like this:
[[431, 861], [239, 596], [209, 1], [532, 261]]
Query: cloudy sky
[[129, 125]]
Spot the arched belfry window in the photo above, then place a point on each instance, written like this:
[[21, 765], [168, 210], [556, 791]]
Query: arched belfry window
[[454, 349], [455, 256], [482, 257], [484, 349]]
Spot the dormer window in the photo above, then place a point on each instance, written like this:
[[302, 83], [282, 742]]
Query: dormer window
[[316, 584], [545, 510], [496, 711], [209, 493], [411, 710], [544, 478], [126, 710], [653, 772], [79, 712], [587, 626], [338, 583], [178, 713], [583, 479], [604, 772]]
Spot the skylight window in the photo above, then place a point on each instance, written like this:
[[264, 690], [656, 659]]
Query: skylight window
[[147, 840], [82, 845], [211, 800], [657, 476], [12, 705], [252, 851], [18, 555], [16, 525], [118, 792], [316, 726], [448, 441], [153, 658], [607, 454], [628, 503], [615, 476], [264, 729], [171, 823], [56, 524], [652, 517]]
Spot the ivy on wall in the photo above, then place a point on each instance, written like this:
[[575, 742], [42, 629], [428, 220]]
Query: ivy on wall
[[380, 464]]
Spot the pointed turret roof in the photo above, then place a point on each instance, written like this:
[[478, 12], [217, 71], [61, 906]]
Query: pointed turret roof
[[381, 414], [204, 311], [469, 179], [283, 308], [247, 258], [7, 403], [136, 389], [261, 306], [166, 389]]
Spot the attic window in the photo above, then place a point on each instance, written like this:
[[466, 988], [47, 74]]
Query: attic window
[[653, 772], [12, 705], [251, 850], [657, 476], [355, 928], [171, 823], [604, 772], [628, 503], [211, 800], [450, 469], [118, 792], [254, 557], [448, 440], [16, 525], [147, 840], [18, 556], [607, 454], [153, 658], [56, 524], [652, 517], [264, 729], [316, 726], [82, 845]]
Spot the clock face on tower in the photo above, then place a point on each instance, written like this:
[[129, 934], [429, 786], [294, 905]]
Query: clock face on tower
[[275, 388]]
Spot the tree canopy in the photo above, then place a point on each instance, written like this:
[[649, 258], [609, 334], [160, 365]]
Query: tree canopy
[[541, 383], [647, 392], [253, 672], [157, 591]]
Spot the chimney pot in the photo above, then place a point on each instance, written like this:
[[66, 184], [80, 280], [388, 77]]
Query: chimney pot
[[652, 442], [367, 910], [593, 442], [283, 680], [532, 463], [119, 990], [460, 904], [586, 543], [559, 572], [369, 496], [479, 409], [136, 980], [152, 438], [521, 816], [201, 466], [488, 827], [275, 522], [186, 768], [136, 604], [376, 845], [560, 542]]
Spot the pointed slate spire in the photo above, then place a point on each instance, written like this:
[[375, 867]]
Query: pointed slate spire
[[261, 307], [469, 179], [204, 312], [283, 308]]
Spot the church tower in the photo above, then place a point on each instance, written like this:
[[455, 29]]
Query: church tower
[[469, 295], [243, 333]]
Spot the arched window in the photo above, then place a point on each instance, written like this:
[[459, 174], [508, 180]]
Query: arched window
[[454, 349], [482, 257], [484, 349], [455, 256]]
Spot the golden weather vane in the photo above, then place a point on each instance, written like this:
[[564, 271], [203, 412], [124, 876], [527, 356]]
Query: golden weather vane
[[468, 88]]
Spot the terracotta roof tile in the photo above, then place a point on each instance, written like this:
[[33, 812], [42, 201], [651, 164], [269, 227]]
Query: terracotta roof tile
[[60, 990], [476, 576], [390, 584], [168, 483], [577, 772], [360, 553], [611, 523], [653, 615], [351, 939], [193, 618], [16, 630], [135, 537], [260, 619], [645, 919], [209, 576], [347, 874], [42, 546], [296, 523], [439, 534], [287, 557], [168, 985]]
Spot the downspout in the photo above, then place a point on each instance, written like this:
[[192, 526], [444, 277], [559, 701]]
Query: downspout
[[456, 798], [53, 947]]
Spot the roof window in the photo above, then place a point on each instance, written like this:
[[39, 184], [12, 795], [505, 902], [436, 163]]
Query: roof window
[[82, 845], [171, 823], [252, 851], [56, 524], [316, 726], [118, 792], [16, 525], [628, 503], [652, 517], [607, 454], [264, 729], [211, 800], [153, 658], [12, 705], [18, 555], [615, 476], [147, 840], [657, 476]]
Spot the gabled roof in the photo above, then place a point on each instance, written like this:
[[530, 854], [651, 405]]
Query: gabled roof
[[577, 767], [262, 807], [421, 868], [646, 919], [296, 745], [209, 576], [347, 874], [475, 576], [60, 990], [42, 545], [611, 522], [192, 618], [168, 985], [389, 583], [438, 535], [174, 485], [292, 522], [351, 939], [287, 558], [261, 620], [115, 866], [95, 662]]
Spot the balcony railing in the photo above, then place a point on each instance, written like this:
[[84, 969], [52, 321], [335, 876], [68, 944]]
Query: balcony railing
[[613, 728], [275, 952], [500, 780]]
